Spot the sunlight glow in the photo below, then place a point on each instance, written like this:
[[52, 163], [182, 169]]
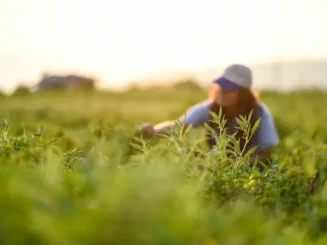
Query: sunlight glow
[[125, 40]]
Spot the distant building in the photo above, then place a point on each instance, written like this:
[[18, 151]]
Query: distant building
[[65, 82]]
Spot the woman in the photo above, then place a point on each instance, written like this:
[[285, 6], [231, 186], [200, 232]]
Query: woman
[[232, 93]]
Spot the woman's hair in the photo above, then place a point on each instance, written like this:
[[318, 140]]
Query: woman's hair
[[247, 101]]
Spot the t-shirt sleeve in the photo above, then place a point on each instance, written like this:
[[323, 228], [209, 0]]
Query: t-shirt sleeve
[[267, 131], [197, 115]]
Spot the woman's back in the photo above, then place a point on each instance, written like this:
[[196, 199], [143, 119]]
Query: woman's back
[[266, 133]]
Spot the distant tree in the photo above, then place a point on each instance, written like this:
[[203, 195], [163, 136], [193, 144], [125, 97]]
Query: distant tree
[[189, 84], [133, 86], [22, 90], [2, 94]]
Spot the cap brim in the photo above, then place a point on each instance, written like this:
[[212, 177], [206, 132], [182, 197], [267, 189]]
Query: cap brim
[[227, 85]]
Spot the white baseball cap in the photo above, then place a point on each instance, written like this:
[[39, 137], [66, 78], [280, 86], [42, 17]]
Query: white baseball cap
[[235, 77]]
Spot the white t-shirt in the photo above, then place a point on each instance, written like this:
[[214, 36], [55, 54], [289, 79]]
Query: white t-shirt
[[267, 134]]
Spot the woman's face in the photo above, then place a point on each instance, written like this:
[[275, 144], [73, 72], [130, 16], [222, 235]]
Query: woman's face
[[226, 98]]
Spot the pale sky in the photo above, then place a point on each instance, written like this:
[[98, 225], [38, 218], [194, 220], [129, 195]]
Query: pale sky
[[124, 40]]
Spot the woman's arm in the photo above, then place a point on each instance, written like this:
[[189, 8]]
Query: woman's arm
[[196, 116], [166, 127]]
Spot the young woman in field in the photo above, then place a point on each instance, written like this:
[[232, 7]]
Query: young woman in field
[[232, 93]]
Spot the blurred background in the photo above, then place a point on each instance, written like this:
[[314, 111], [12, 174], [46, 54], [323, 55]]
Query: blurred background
[[116, 45], [71, 68]]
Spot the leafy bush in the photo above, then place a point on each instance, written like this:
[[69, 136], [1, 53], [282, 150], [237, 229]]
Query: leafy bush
[[72, 172]]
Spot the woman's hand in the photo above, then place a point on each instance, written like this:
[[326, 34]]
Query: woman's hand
[[147, 130]]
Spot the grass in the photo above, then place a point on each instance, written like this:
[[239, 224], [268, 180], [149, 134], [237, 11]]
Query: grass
[[69, 173]]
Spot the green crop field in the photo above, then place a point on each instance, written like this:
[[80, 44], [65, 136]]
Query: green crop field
[[71, 172]]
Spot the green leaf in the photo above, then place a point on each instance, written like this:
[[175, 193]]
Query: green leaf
[[210, 129], [250, 152], [239, 122], [255, 126]]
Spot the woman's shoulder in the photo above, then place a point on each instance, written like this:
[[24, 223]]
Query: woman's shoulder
[[201, 106], [268, 135], [264, 109], [198, 113], [267, 120]]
